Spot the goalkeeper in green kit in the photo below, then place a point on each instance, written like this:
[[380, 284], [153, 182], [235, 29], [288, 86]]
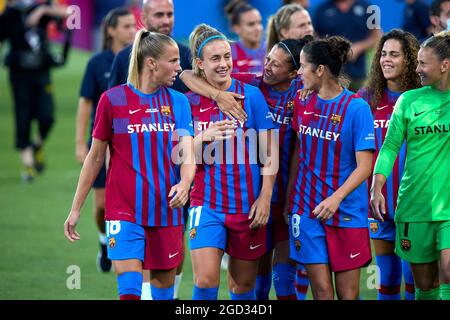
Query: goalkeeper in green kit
[[422, 118]]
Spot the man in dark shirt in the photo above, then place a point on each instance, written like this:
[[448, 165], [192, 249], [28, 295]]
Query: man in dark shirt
[[416, 19], [440, 15], [349, 19], [24, 25], [157, 16]]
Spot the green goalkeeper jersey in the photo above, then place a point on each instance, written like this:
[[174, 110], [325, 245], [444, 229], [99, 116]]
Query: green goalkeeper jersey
[[422, 117]]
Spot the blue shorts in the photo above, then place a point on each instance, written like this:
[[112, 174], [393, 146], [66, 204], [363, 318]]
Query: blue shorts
[[228, 232], [307, 240], [382, 230], [312, 242], [159, 248]]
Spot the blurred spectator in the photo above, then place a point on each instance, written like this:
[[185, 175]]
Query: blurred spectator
[[101, 9], [303, 3], [291, 21], [24, 24], [249, 52], [416, 19], [440, 15], [349, 18], [157, 16]]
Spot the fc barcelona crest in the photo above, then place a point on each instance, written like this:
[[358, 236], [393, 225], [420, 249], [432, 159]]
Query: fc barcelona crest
[[165, 110], [406, 244], [112, 242], [297, 245], [336, 118], [192, 233], [374, 227], [290, 104]]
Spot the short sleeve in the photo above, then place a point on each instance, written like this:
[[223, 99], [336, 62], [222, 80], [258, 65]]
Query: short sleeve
[[183, 116], [103, 123], [362, 127], [260, 111]]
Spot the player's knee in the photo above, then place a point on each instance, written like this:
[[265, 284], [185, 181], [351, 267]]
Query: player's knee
[[206, 281], [322, 291], [425, 284]]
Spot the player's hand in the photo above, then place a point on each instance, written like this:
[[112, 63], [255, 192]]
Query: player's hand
[[327, 207], [81, 151], [230, 104], [35, 16], [181, 192], [377, 205], [70, 225], [260, 212], [219, 130], [303, 94]]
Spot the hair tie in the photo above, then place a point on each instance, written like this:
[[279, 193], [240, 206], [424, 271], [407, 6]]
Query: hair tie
[[206, 41], [290, 53]]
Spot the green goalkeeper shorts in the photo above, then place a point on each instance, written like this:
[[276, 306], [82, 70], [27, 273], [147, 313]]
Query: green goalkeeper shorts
[[421, 242]]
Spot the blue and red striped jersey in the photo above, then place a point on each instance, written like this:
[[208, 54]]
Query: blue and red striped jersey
[[281, 108], [228, 177], [142, 130], [330, 133], [382, 115], [248, 60]]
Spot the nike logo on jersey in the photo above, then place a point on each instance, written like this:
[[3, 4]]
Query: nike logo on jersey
[[352, 256], [252, 247], [307, 112], [204, 110], [384, 107], [418, 113], [241, 63], [171, 255], [134, 111]]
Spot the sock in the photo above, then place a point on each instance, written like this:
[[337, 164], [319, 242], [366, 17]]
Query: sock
[[390, 277], [146, 291], [162, 293], [445, 291], [432, 294], [102, 237], [129, 285], [204, 293], [301, 282], [243, 296], [262, 287], [409, 281], [176, 290], [283, 281]]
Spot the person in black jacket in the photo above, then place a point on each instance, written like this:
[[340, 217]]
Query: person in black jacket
[[23, 24], [157, 16]]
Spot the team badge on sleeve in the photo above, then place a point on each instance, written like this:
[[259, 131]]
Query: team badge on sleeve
[[406, 244]]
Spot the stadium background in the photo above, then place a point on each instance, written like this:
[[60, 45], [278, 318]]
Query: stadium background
[[35, 257]]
